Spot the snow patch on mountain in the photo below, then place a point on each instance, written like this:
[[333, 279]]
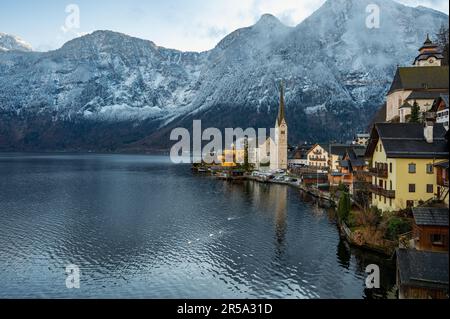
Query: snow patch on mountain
[[13, 43]]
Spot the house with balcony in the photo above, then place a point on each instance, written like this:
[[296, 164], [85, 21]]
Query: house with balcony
[[402, 158], [352, 170], [318, 157]]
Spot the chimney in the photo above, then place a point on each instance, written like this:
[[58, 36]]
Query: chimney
[[428, 128]]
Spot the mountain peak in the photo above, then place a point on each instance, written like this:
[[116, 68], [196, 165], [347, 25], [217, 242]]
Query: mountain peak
[[269, 19], [13, 43]]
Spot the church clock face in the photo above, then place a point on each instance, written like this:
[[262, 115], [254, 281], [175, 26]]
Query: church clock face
[[431, 61]]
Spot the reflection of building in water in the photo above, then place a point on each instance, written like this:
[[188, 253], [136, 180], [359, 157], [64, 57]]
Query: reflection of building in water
[[279, 194]]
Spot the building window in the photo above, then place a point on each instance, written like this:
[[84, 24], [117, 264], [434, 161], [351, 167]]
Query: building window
[[390, 184], [430, 169], [390, 167], [412, 168], [412, 188], [437, 239], [381, 147], [430, 188]]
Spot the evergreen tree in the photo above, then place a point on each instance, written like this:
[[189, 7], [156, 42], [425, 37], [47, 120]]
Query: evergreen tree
[[344, 206], [415, 113]]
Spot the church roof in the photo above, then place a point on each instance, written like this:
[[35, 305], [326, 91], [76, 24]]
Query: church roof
[[424, 95], [420, 78]]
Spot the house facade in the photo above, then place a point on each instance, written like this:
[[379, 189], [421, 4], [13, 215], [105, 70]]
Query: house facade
[[318, 157], [402, 157]]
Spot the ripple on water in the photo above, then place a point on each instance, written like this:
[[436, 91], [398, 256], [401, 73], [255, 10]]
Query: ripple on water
[[140, 227]]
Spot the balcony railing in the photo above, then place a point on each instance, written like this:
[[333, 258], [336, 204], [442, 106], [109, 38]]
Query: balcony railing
[[381, 191], [378, 172], [443, 182], [317, 159]]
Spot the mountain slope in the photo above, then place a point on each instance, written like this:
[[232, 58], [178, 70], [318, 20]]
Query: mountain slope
[[108, 91], [13, 43]]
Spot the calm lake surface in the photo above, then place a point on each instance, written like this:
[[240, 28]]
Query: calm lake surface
[[141, 227]]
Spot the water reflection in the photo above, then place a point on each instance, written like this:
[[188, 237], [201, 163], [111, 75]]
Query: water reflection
[[141, 227]]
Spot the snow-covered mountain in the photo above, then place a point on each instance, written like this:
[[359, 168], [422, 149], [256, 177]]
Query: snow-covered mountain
[[13, 43], [110, 91]]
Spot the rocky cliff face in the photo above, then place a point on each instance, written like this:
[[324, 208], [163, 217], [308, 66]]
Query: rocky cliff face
[[109, 91]]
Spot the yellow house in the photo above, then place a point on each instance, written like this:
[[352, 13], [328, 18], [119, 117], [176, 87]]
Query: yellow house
[[402, 158]]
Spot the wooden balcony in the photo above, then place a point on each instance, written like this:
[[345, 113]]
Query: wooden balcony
[[381, 191], [442, 182], [317, 159], [378, 172]]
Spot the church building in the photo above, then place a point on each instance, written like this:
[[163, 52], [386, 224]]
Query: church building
[[279, 143], [419, 84]]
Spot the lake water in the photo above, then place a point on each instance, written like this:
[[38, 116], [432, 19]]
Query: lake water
[[141, 227]]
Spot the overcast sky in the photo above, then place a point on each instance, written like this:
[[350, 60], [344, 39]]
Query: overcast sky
[[190, 25]]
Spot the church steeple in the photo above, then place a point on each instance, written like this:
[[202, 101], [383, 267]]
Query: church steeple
[[281, 111], [429, 54]]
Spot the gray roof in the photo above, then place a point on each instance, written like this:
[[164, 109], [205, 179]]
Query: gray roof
[[430, 216], [341, 149], [406, 140], [420, 78], [424, 95], [422, 268]]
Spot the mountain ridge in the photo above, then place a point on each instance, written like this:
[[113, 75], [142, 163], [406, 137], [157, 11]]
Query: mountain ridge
[[336, 75]]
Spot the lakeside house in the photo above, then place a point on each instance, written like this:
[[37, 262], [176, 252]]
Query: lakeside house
[[318, 157], [430, 229], [402, 157], [298, 157], [352, 171], [420, 83], [422, 274]]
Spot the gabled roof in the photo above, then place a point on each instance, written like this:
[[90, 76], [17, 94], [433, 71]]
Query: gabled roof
[[422, 268], [437, 102], [420, 78], [406, 140], [430, 216], [324, 146]]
